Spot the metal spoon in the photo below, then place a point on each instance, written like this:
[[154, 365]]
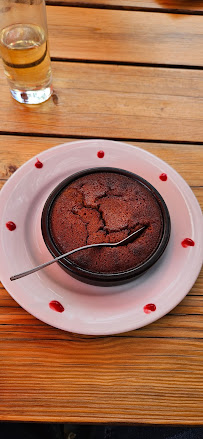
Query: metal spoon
[[124, 241]]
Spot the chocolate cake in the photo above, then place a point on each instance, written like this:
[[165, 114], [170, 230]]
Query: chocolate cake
[[106, 207]]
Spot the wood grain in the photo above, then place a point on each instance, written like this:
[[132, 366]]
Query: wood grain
[[25, 327], [102, 380], [185, 159], [12, 314], [172, 5], [114, 102], [152, 375], [125, 36], [17, 324]]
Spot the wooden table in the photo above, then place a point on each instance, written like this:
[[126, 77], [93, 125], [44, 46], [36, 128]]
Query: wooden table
[[129, 70]]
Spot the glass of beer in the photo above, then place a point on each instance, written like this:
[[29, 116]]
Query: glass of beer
[[24, 49]]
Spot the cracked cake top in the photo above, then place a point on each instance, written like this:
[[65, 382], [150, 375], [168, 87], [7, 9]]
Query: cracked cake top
[[106, 207]]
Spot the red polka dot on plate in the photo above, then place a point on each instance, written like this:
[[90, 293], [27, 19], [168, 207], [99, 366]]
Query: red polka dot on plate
[[100, 154], [11, 226], [38, 164], [150, 307], [56, 306], [163, 177], [187, 242]]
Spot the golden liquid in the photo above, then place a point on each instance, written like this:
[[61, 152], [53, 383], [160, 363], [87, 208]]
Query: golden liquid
[[25, 54]]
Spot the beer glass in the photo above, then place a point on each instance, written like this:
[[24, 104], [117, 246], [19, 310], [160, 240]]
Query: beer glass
[[24, 49]]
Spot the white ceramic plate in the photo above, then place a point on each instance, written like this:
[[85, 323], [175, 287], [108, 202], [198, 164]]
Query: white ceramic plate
[[89, 309]]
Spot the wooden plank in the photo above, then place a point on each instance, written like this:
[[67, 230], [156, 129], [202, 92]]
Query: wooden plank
[[16, 318], [190, 305], [31, 329], [185, 159], [163, 5], [88, 381], [114, 102], [125, 36]]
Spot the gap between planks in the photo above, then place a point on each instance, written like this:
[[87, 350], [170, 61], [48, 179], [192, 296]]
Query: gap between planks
[[129, 6], [127, 63], [116, 139]]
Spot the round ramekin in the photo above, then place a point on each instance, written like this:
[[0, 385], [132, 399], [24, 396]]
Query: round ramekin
[[104, 279]]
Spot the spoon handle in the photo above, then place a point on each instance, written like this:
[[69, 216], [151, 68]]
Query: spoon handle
[[39, 267], [125, 241]]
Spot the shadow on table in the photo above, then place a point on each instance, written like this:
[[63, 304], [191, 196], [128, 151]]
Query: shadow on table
[[72, 431]]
